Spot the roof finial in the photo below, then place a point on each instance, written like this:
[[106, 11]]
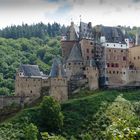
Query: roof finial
[[80, 18]]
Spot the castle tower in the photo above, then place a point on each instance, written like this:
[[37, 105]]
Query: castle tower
[[58, 81], [92, 75], [74, 64]]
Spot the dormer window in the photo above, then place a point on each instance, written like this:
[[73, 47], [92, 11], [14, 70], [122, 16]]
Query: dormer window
[[21, 74]]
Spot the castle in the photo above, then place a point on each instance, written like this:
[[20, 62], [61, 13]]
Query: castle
[[93, 57]]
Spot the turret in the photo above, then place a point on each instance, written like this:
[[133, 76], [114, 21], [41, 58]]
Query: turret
[[74, 64], [58, 81]]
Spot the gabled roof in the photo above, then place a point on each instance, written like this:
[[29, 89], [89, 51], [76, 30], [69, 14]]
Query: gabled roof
[[30, 70], [75, 54], [57, 69], [113, 34]]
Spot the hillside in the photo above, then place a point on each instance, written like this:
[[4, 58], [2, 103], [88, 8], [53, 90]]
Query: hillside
[[100, 114], [14, 52]]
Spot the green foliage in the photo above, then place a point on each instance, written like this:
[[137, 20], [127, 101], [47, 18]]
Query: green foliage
[[88, 114], [36, 30], [46, 136], [125, 124], [31, 132], [111, 115], [86, 136], [52, 118], [4, 91], [25, 51], [25, 125]]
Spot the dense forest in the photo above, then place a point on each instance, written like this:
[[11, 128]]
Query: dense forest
[[36, 30]]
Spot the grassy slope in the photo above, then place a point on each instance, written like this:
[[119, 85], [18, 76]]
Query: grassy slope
[[79, 112]]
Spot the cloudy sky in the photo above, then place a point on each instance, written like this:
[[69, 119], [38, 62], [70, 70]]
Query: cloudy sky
[[106, 12]]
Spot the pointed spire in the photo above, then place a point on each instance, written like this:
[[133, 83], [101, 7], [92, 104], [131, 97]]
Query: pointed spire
[[57, 69], [75, 54]]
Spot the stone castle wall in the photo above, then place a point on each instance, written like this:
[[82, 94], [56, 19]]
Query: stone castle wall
[[59, 89], [93, 77], [12, 100], [28, 86], [32, 87], [131, 77]]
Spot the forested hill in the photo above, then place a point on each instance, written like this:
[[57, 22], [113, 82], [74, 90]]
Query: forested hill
[[13, 52], [35, 30]]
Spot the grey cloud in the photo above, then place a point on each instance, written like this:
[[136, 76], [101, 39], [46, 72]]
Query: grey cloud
[[136, 0]]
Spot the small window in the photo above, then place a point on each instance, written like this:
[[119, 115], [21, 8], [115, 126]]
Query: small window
[[134, 58], [107, 44], [69, 63], [113, 72], [124, 58], [31, 91], [87, 50], [112, 65], [116, 65], [108, 65], [109, 50], [114, 45], [91, 43], [121, 50], [87, 57]]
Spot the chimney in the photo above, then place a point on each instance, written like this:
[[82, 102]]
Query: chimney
[[90, 25], [137, 38]]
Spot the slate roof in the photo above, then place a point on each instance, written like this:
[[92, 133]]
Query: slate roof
[[86, 31], [75, 54], [55, 68], [76, 30], [113, 34], [30, 70]]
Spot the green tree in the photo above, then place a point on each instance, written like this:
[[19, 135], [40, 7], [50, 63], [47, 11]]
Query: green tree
[[125, 124], [31, 132], [4, 91], [51, 115]]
